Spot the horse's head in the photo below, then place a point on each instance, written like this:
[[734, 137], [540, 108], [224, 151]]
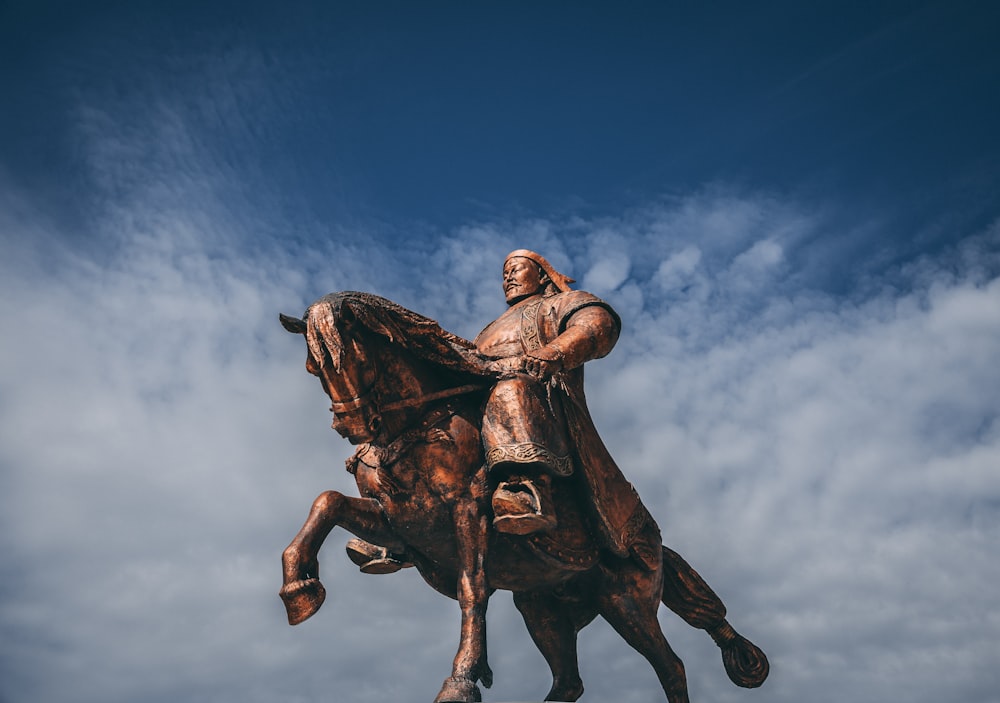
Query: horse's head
[[338, 356]]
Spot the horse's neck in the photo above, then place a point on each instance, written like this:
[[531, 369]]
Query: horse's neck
[[406, 380]]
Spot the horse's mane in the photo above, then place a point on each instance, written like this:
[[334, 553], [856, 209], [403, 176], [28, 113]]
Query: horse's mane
[[404, 328]]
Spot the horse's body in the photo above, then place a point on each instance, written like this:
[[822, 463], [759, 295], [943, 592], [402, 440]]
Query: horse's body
[[410, 395]]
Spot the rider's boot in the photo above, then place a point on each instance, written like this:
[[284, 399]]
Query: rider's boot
[[523, 506], [373, 559]]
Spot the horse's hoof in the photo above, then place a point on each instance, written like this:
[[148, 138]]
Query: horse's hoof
[[746, 664], [459, 691], [302, 599]]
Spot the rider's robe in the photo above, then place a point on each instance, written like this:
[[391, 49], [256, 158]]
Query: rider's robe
[[529, 422]]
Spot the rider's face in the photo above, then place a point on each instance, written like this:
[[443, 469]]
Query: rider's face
[[521, 278]]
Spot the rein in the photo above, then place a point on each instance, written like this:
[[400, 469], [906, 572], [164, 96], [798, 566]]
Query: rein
[[361, 399], [427, 398]]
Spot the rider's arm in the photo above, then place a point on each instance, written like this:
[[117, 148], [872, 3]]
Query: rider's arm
[[590, 333]]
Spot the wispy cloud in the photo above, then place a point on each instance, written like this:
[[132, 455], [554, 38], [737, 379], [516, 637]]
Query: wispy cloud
[[810, 415], [827, 462]]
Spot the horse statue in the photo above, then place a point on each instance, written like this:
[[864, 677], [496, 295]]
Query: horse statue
[[410, 396]]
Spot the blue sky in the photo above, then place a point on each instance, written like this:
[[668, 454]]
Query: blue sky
[[792, 206]]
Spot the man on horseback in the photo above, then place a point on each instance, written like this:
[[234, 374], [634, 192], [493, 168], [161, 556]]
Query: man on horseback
[[443, 425], [536, 426], [537, 432]]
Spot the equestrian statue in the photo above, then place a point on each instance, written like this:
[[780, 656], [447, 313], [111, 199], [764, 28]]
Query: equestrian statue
[[478, 464]]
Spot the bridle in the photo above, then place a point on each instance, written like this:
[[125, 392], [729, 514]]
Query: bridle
[[354, 403]]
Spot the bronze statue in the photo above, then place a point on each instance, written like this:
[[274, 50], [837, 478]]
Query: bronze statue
[[479, 464]]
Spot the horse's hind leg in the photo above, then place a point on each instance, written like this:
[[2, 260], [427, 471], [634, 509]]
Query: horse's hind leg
[[686, 593], [553, 625], [302, 592], [629, 601]]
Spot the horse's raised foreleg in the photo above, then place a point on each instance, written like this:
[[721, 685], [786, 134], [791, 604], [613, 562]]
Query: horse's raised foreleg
[[302, 592], [470, 664]]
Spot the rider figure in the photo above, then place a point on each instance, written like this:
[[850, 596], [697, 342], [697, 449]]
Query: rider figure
[[540, 344], [536, 425]]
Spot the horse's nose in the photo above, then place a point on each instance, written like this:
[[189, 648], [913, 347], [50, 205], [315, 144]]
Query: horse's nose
[[341, 427], [352, 428]]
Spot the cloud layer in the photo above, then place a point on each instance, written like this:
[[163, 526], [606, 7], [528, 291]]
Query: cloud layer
[[827, 462], [806, 403]]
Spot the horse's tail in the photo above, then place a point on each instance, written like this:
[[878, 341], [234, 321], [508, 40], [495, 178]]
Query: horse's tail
[[686, 593]]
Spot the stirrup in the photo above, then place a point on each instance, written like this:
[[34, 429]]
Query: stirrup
[[373, 559], [520, 512]]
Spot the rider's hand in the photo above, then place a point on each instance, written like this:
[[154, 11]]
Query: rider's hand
[[544, 363], [507, 367]]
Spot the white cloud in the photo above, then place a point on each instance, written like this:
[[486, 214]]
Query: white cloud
[[608, 252], [828, 463], [675, 271]]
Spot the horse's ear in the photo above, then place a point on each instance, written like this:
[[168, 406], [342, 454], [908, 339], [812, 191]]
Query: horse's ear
[[292, 324]]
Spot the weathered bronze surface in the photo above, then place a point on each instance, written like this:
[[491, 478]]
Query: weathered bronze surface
[[478, 463]]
